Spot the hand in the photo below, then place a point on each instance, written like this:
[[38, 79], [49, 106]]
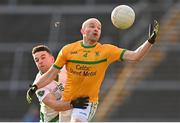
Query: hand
[[31, 91], [81, 102], [153, 31]]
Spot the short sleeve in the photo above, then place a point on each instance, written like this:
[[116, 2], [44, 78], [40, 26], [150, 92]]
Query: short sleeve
[[61, 59], [115, 53]]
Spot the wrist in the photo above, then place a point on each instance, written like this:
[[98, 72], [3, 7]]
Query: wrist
[[35, 87], [151, 41]]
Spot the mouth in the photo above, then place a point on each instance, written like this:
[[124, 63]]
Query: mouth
[[95, 34], [41, 66]]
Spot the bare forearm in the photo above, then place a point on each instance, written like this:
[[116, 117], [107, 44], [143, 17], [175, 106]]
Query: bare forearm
[[46, 78], [50, 100], [62, 106], [142, 50], [59, 105]]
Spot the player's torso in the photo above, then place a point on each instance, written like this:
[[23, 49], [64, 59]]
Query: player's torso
[[86, 67]]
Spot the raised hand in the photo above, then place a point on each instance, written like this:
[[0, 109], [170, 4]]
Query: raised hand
[[153, 31]]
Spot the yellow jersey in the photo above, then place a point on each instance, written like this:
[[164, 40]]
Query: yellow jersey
[[86, 67]]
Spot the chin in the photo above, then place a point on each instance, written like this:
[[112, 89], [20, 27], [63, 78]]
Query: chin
[[93, 41], [42, 70]]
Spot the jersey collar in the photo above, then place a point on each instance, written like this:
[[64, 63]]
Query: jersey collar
[[87, 46]]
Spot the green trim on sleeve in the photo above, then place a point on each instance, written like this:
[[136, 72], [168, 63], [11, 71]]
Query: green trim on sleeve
[[122, 54], [57, 67]]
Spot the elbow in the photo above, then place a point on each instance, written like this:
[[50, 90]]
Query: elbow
[[61, 108], [137, 58], [133, 56], [55, 105]]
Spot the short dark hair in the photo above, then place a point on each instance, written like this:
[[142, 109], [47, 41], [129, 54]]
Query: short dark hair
[[39, 48]]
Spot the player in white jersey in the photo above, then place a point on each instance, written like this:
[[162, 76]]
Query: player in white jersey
[[50, 95], [55, 88]]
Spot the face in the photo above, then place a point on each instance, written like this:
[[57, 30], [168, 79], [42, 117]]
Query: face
[[91, 30], [43, 60]]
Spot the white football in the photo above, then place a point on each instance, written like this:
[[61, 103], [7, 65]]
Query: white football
[[123, 16]]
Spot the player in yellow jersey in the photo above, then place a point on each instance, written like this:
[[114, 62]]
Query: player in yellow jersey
[[86, 62]]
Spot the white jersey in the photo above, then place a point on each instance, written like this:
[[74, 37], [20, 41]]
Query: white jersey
[[56, 87]]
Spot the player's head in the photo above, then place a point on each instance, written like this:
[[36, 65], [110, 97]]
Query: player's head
[[42, 57], [91, 30]]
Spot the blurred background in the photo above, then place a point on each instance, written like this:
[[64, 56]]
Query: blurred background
[[145, 91]]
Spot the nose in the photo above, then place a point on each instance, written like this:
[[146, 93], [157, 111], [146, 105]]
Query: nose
[[96, 29], [40, 61]]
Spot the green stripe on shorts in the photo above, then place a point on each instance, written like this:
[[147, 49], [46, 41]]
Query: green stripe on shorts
[[55, 119], [92, 110]]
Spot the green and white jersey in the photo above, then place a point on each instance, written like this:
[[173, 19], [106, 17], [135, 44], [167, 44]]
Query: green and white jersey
[[56, 87]]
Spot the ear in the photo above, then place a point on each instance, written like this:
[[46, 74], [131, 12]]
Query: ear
[[82, 31]]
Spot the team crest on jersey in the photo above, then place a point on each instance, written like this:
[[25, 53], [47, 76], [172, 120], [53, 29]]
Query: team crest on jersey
[[61, 87], [41, 93], [97, 53]]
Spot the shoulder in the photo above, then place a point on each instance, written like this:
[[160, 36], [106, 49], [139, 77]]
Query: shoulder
[[71, 47], [108, 46]]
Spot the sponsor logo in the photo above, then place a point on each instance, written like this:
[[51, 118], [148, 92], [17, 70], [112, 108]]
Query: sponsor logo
[[73, 52], [83, 70], [97, 53]]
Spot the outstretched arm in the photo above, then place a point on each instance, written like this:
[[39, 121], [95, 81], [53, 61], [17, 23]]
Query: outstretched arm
[[47, 77], [141, 51], [60, 105], [44, 80], [50, 101]]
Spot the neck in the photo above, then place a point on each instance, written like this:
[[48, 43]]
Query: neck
[[89, 42]]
